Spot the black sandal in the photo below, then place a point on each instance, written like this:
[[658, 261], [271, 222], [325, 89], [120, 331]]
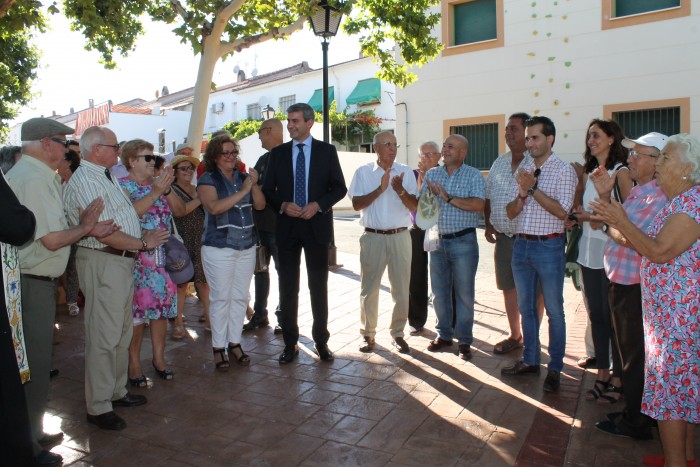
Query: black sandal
[[164, 374], [222, 364], [141, 382], [611, 395], [244, 359], [597, 391]]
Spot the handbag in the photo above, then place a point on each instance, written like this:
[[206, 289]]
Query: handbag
[[572, 269], [262, 259], [178, 263]]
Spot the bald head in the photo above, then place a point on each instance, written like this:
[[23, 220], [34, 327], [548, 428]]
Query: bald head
[[271, 133]]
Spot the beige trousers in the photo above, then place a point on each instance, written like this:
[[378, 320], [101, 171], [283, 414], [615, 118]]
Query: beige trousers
[[377, 253]]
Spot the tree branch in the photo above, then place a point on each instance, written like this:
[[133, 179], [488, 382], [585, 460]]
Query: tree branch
[[245, 42], [180, 10]]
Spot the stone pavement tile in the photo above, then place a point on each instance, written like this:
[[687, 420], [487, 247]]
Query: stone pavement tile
[[319, 423], [445, 406], [290, 449], [385, 391], [292, 412], [350, 429], [339, 387], [364, 407], [318, 396], [408, 376], [254, 430], [354, 380], [123, 451], [370, 371], [285, 388], [390, 434], [415, 455], [417, 401], [233, 453], [461, 432], [338, 454]]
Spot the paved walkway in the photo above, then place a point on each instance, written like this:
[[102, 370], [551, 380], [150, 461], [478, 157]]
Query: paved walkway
[[361, 409]]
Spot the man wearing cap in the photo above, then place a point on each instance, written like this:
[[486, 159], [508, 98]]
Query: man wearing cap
[[461, 192], [543, 196], [386, 215], [105, 269], [42, 260], [271, 135], [622, 265]]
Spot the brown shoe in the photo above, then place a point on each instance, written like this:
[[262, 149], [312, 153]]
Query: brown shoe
[[368, 345], [438, 344], [401, 345], [465, 352]]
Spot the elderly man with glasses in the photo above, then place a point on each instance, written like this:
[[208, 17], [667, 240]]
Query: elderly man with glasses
[[43, 260], [386, 215], [105, 268]]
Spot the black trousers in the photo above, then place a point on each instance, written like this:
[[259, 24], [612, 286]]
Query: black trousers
[[301, 237], [595, 297], [628, 329], [262, 279], [418, 287]]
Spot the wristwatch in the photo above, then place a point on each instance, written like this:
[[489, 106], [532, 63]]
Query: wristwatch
[[144, 244], [532, 190], [604, 228], [449, 198]]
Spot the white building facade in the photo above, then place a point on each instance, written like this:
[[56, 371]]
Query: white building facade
[[637, 62]]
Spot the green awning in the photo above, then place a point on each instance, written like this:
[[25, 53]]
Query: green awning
[[367, 91], [316, 101]]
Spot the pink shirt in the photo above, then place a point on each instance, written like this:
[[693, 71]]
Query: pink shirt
[[622, 264]]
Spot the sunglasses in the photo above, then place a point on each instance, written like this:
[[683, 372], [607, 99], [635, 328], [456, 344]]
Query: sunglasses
[[188, 168], [148, 157], [61, 141]]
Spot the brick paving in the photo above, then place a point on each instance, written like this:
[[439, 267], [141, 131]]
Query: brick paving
[[361, 409]]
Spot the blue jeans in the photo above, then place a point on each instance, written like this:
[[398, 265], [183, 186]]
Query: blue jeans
[[262, 279], [541, 260], [455, 263]]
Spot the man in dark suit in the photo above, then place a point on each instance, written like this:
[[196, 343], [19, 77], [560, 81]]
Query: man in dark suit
[[303, 182]]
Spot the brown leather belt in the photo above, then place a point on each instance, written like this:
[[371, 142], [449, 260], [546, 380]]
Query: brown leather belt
[[114, 251], [540, 237], [385, 232], [461, 233], [38, 278]]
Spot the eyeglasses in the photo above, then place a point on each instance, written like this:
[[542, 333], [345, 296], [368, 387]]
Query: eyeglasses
[[264, 128], [188, 168], [635, 154], [147, 157], [428, 154], [61, 141], [229, 154], [389, 145], [113, 146], [537, 173]]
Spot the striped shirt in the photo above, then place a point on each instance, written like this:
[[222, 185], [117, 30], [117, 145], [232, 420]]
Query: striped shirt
[[499, 188], [90, 182], [622, 264], [558, 181], [465, 182]]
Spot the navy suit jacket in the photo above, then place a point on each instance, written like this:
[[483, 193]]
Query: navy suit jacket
[[326, 186]]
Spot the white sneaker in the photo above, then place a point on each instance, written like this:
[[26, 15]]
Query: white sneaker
[[73, 309]]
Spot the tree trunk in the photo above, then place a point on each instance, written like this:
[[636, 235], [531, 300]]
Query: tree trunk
[[4, 6], [210, 56]]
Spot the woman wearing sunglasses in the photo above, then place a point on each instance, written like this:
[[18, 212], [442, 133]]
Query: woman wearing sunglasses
[[190, 226], [155, 294], [228, 245]]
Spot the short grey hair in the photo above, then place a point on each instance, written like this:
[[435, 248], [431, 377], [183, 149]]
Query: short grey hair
[[90, 138], [385, 132], [429, 143], [306, 110], [691, 154]]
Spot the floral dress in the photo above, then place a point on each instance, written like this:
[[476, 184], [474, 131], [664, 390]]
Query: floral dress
[[671, 301], [155, 294], [191, 228]]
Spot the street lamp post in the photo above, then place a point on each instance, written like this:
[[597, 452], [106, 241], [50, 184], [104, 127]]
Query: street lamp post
[[325, 22], [268, 112]]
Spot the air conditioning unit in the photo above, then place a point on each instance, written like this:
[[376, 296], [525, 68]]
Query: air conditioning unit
[[217, 107]]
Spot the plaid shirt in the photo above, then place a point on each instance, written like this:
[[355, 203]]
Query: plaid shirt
[[558, 181], [642, 204], [499, 187], [465, 182]]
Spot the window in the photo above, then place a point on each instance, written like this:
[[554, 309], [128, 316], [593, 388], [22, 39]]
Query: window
[[472, 25], [485, 138], [667, 117], [254, 112], [621, 13], [287, 101]]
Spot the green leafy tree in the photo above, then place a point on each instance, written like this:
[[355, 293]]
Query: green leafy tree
[[217, 28], [18, 57]]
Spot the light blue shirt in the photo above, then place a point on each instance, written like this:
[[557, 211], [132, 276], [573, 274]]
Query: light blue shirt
[[307, 159]]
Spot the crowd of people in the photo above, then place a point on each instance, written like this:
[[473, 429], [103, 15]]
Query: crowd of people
[[637, 202]]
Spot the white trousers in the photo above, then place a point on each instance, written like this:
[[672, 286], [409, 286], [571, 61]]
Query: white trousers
[[229, 273]]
